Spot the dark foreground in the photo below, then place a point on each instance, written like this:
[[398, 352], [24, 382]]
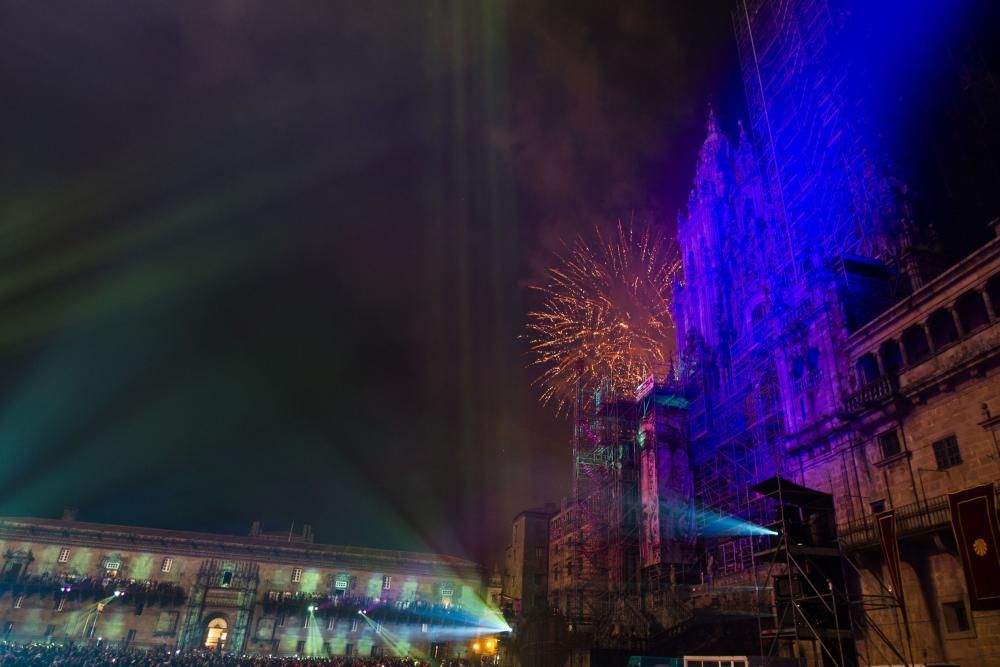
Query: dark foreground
[[12, 655]]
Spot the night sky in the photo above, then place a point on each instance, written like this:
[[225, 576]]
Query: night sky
[[270, 260]]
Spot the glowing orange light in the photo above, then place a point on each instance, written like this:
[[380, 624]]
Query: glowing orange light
[[606, 314]]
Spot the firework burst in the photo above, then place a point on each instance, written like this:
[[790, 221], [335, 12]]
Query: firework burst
[[606, 315]]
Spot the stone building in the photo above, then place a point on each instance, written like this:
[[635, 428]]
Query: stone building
[[871, 379], [823, 348], [282, 594], [830, 370], [526, 561]]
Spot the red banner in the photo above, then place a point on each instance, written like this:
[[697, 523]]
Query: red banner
[[974, 520], [890, 553]]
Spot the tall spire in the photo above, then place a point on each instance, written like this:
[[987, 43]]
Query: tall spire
[[712, 125], [713, 173]]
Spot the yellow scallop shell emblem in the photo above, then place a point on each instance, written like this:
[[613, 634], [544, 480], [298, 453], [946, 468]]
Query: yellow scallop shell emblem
[[979, 546]]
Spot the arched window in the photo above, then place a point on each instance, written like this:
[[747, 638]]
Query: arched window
[[916, 345], [868, 368], [812, 360], [892, 359], [942, 328], [971, 311]]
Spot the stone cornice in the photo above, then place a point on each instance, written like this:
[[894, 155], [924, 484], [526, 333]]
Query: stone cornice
[[936, 293], [208, 545]]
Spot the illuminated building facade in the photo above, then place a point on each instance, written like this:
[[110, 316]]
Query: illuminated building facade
[[821, 344], [70, 581], [831, 374]]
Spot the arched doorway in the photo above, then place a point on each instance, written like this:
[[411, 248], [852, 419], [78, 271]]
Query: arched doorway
[[216, 634]]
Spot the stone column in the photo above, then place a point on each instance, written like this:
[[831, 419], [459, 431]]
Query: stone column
[[958, 322], [928, 337]]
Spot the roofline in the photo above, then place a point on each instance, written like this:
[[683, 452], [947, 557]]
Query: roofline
[[982, 256], [134, 538], [538, 511]]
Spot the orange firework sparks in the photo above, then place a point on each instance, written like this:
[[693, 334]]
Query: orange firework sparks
[[606, 311]]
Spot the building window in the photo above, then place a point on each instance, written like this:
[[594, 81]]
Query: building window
[[956, 618], [49, 631], [61, 604], [280, 621], [167, 564], [326, 649], [378, 626], [331, 623], [888, 442], [946, 452], [386, 582], [166, 623], [916, 345], [130, 637], [296, 575], [942, 327], [354, 625], [868, 369], [971, 311], [227, 577], [300, 647], [305, 620], [878, 506], [423, 627], [139, 607], [348, 650], [892, 357], [64, 555], [18, 601]]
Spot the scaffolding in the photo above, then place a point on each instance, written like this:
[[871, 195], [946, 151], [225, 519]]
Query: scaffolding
[[814, 151], [605, 524], [811, 600]]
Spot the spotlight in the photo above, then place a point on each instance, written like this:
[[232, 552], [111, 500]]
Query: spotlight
[[312, 608]]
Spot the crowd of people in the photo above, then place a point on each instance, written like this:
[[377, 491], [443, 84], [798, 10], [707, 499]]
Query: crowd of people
[[58, 655]]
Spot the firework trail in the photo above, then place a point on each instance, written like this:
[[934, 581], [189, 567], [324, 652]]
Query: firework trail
[[606, 311]]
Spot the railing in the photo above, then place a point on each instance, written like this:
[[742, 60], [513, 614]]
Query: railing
[[916, 518], [871, 394], [75, 588], [397, 611], [806, 382]]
